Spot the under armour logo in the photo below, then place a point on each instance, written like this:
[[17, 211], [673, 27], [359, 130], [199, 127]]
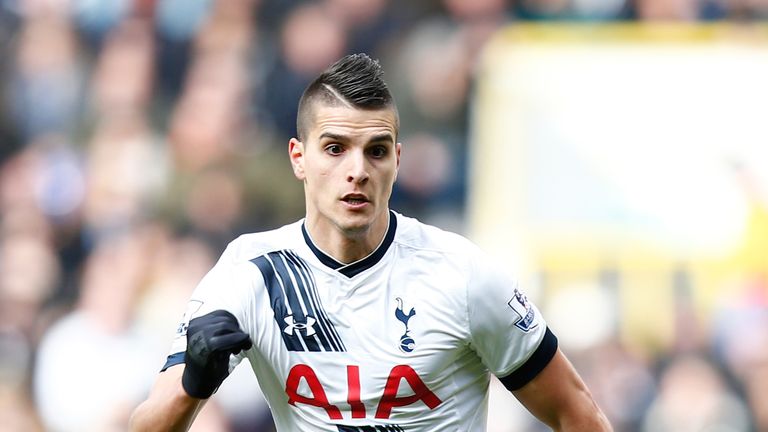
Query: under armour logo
[[293, 325], [407, 344]]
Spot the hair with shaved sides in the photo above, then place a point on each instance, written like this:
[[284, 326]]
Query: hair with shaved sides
[[356, 80]]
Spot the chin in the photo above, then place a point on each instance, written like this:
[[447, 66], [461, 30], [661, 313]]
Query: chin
[[355, 228], [355, 224]]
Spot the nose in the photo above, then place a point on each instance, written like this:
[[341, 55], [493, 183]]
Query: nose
[[357, 168]]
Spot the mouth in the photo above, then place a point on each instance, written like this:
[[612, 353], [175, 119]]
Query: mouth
[[355, 199]]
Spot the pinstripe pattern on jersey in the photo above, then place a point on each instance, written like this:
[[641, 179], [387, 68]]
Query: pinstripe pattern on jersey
[[293, 297]]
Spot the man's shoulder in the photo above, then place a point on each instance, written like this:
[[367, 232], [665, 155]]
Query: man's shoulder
[[419, 235], [252, 245]]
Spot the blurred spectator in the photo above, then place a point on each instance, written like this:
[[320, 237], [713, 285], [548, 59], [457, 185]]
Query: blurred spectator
[[366, 22], [601, 9], [694, 397], [178, 265], [118, 113], [96, 20], [543, 9], [757, 391], [177, 23], [622, 383], [204, 122], [747, 9], [740, 342], [213, 207], [478, 20], [432, 99], [29, 272], [123, 77], [667, 10], [45, 91], [126, 170], [310, 40], [83, 350]]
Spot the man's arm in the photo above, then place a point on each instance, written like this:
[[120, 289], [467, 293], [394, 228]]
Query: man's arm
[[179, 392], [168, 408], [558, 397]]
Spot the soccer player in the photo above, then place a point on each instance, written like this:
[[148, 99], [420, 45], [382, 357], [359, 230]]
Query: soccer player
[[357, 318]]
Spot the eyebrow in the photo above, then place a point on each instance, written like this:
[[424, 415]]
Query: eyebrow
[[331, 136], [383, 137]]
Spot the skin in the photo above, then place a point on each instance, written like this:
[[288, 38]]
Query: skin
[[559, 398], [347, 153], [168, 407], [348, 163]]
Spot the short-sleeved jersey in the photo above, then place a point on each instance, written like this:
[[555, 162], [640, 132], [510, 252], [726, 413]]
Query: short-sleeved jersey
[[402, 340]]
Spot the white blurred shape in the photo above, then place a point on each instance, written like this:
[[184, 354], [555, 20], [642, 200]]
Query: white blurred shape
[[582, 316]]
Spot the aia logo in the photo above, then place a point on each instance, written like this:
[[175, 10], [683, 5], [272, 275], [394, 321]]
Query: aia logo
[[395, 393], [407, 344], [294, 326]]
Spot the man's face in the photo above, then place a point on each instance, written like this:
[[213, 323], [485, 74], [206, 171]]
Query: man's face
[[348, 162]]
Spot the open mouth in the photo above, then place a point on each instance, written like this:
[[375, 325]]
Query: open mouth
[[355, 199]]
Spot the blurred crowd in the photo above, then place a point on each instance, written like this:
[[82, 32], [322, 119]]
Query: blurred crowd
[[138, 137]]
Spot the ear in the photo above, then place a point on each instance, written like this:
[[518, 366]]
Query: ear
[[296, 154], [397, 154]]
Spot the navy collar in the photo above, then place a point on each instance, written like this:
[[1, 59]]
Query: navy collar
[[352, 269]]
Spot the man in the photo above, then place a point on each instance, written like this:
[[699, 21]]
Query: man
[[357, 318]]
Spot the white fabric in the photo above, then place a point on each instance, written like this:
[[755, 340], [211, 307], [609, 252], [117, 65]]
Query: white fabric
[[468, 321]]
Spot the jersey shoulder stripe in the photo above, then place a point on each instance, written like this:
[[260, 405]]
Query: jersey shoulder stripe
[[303, 323]]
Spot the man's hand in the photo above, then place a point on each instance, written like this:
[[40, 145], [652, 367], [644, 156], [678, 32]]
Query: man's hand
[[211, 339]]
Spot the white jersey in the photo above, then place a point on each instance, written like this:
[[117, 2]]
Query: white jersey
[[402, 340]]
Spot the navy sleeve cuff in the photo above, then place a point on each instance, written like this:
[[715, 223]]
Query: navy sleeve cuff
[[535, 364], [173, 360]]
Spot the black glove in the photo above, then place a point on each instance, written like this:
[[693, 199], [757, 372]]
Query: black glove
[[211, 338]]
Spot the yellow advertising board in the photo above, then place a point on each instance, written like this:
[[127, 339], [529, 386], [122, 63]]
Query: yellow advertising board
[[626, 158]]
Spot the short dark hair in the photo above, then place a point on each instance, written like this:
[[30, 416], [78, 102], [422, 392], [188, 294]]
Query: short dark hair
[[354, 79]]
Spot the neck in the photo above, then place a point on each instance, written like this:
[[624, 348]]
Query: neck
[[346, 246]]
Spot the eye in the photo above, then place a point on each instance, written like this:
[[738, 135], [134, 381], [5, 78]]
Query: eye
[[334, 149], [378, 151]]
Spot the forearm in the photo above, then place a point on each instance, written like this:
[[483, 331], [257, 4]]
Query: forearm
[[598, 423], [181, 390], [560, 399], [581, 415], [589, 418], [168, 408]]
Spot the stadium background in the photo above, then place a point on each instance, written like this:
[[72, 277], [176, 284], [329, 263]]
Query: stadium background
[[610, 151]]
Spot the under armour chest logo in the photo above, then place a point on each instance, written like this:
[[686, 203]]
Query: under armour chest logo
[[292, 326], [407, 344]]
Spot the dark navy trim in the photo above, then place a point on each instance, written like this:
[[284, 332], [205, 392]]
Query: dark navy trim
[[324, 258], [173, 360], [278, 302], [308, 278], [355, 268], [293, 297], [535, 364], [373, 428], [292, 294]]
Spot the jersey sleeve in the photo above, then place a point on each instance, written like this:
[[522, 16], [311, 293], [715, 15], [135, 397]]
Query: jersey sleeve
[[507, 330], [217, 290]]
